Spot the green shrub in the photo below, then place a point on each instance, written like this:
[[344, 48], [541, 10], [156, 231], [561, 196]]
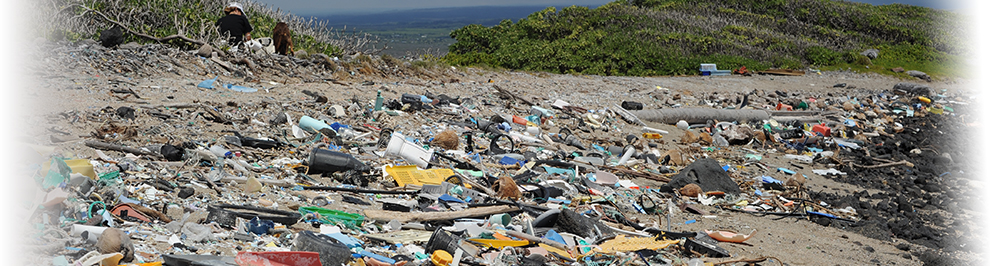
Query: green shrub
[[820, 56], [671, 37]]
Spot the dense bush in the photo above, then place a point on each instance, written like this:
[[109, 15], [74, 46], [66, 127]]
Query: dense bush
[[72, 20], [672, 37]]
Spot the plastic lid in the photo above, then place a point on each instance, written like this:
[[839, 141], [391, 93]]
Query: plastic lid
[[441, 257]]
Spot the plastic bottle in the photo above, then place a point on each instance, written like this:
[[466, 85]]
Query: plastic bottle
[[525, 138], [627, 155], [378, 101], [221, 152], [327, 161]]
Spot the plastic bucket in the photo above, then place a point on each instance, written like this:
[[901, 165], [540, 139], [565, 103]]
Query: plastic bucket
[[399, 146], [442, 240]]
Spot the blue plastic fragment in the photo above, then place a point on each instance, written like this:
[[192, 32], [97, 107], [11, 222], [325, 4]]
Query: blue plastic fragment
[[822, 214], [475, 157], [509, 161], [725, 168], [337, 125], [347, 240], [690, 221], [448, 197], [377, 257], [768, 179], [553, 235], [558, 171], [207, 84], [260, 227], [239, 88]]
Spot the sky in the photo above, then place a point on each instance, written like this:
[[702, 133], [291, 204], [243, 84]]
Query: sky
[[324, 7]]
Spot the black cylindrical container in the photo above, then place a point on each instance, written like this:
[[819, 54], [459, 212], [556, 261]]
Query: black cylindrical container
[[327, 161]]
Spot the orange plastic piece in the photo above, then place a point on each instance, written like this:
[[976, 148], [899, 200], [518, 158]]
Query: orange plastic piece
[[729, 236], [519, 120], [784, 107], [821, 128], [501, 236], [715, 193]]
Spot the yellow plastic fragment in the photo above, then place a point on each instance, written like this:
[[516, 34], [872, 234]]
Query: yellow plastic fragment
[[556, 250], [622, 243], [499, 244], [409, 174]]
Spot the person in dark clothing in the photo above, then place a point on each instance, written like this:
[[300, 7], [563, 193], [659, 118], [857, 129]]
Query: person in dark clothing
[[235, 24]]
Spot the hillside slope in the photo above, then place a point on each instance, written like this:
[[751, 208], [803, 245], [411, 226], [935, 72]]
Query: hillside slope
[[672, 37]]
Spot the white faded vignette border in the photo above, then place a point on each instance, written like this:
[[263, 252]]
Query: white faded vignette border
[[980, 86], [16, 35]]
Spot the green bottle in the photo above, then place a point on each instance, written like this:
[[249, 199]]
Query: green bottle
[[378, 101]]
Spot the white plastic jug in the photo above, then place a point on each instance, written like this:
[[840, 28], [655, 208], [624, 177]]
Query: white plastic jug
[[399, 146]]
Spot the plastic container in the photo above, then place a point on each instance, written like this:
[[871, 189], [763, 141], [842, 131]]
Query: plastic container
[[605, 178], [519, 120], [239, 88], [92, 232], [379, 100], [327, 161], [721, 73], [821, 128], [331, 252], [632, 105], [525, 138], [81, 166], [708, 67], [625, 156], [655, 130], [502, 219], [408, 98], [313, 125], [221, 152], [535, 131], [399, 146]]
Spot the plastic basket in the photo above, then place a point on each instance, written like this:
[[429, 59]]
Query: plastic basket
[[708, 67]]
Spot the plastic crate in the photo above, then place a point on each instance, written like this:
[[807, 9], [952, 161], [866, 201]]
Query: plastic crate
[[708, 67]]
